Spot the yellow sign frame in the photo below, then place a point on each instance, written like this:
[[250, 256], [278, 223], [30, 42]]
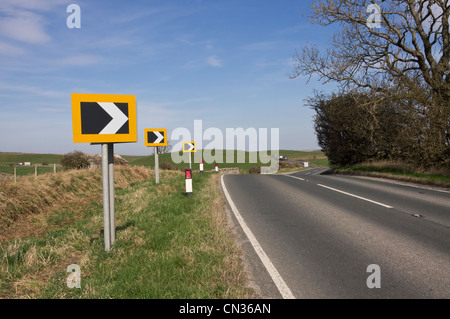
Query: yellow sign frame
[[153, 130], [195, 147], [78, 137]]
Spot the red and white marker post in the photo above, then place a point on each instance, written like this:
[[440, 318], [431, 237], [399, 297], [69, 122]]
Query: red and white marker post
[[188, 179], [201, 166], [217, 168]]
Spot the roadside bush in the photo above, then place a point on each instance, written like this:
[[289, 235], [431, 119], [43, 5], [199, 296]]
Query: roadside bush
[[255, 170], [167, 165], [75, 160]]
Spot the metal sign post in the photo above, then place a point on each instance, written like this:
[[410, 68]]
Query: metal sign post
[[112, 217], [106, 201], [190, 147], [156, 137], [156, 165], [109, 226], [105, 119], [190, 161]]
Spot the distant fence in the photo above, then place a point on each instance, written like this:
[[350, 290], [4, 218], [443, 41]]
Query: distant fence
[[14, 172]]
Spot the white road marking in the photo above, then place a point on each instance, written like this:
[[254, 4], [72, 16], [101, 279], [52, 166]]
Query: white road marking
[[302, 179], [356, 196], [402, 184], [273, 272]]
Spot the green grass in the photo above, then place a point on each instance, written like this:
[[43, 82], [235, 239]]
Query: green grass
[[8, 158], [167, 245], [397, 171], [28, 170]]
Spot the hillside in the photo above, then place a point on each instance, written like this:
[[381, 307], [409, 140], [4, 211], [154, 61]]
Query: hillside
[[315, 157]]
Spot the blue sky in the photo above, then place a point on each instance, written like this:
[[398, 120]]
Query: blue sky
[[224, 62]]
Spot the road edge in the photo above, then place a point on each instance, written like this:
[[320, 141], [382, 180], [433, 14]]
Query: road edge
[[273, 272]]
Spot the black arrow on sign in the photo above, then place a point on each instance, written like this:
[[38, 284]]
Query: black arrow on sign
[[104, 118], [155, 137]]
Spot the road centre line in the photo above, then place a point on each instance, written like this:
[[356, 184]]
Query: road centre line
[[349, 194], [273, 272], [356, 196], [302, 179]]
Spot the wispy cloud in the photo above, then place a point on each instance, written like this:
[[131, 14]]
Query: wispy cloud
[[33, 90], [260, 46], [214, 61], [42, 5], [10, 50], [80, 60], [24, 26], [202, 62]]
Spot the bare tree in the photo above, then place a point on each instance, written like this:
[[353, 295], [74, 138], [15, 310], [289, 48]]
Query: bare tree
[[412, 41], [406, 50], [164, 149]]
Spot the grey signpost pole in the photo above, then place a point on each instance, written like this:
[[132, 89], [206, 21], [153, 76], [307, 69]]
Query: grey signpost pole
[[190, 160], [105, 184], [105, 119], [111, 192], [156, 165]]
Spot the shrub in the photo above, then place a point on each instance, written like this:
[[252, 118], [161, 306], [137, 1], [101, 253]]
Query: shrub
[[75, 160], [255, 170], [167, 165]]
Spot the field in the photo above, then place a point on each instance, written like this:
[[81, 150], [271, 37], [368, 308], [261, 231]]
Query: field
[[167, 245], [9, 160], [44, 162], [316, 158]]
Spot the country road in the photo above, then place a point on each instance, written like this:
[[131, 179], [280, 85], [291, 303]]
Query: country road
[[319, 234]]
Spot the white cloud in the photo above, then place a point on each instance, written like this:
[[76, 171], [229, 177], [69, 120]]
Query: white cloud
[[260, 46], [10, 50], [214, 61], [80, 60], [33, 90], [42, 5], [24, 26]]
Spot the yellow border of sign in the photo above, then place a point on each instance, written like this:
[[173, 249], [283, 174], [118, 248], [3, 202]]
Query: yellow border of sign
[[195, 147], [153, 130], [78, 137]]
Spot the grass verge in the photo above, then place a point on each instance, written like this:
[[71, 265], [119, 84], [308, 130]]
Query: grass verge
[[398, 171], [167, 246]]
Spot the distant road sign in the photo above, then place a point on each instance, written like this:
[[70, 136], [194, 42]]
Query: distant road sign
[[189, 147], [104, 118], [155, 137]]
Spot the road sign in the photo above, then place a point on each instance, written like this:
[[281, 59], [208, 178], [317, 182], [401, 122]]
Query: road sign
[[155, 137], [189, 147], [104, 118]]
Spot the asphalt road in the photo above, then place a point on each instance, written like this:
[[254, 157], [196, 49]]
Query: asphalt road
[[320, 233]]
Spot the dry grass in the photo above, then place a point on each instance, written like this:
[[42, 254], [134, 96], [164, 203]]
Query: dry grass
[[185, 244], [23, 205], [29, 254]]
